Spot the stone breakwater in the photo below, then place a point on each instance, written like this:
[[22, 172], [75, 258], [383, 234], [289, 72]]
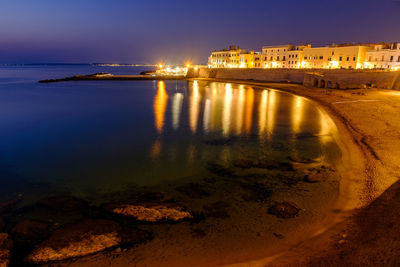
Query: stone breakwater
[[331, 79]]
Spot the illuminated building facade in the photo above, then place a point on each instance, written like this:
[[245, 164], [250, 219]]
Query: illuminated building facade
[[234, 57], [283, 56], [335, 57], [383, 56], [343, 56]]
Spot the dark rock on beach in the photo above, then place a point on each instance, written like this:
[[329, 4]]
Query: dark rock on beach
[[6, 245], [76, 240], [193, 190], [150, 211], [30, 230], [257, 193], [284, 210]]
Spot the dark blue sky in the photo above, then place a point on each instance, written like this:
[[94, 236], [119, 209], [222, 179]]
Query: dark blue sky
[[149, 31]]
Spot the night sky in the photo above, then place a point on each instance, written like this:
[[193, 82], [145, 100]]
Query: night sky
[[175, 31]]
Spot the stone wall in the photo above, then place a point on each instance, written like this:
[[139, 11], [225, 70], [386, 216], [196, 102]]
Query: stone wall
[[341, 78]]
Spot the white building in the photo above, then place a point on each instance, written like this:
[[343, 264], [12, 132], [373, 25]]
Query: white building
[[383, 56], [226, 58], [343, 56]]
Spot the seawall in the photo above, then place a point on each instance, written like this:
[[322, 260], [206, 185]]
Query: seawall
[[338, 78]]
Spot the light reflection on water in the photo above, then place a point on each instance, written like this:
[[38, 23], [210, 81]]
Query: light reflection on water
[[224, 110], [147, 133]]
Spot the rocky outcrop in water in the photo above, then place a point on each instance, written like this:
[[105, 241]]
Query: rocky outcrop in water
[[30, 230], [5, 249], [284, 210], [77, 240], [150, 211]]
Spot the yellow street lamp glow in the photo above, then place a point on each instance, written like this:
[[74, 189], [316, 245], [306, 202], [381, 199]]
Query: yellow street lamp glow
[[160, 66], [196, 68], [334, 64]]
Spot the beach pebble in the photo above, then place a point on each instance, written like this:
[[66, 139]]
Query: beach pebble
[[150, 211], [6, 245], [76, 240], [284, 210]]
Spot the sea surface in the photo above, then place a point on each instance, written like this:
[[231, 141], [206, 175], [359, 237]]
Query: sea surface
[[93, 137], [226, 151]]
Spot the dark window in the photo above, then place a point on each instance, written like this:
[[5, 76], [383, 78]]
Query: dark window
[[348, 58], [340, 59], [305, 57], [398, 59], [284, 58], [321, 57], [391, 58], [333, 53], [354, 58]]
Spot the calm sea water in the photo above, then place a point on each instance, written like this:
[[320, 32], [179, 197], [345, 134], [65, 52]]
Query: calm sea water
[[94, 138]]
